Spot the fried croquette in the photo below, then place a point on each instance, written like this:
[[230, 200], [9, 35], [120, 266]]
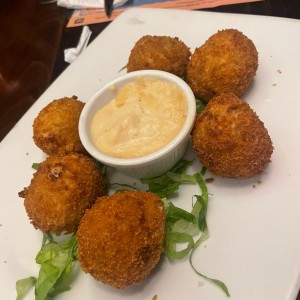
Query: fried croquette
[[159, 53], [61, 190], [230, 139], [226, 63], [55, 129], [120, 239]]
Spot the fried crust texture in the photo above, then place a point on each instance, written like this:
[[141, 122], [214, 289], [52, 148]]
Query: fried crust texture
[[159, 53], [61, 190], [230, 140], [120, 239], [55, 129], [226, 63]]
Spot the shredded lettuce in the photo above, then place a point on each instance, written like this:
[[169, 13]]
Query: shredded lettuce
[[168, 184], [199, 211], [126, 186], [23, 286], [203, 171], [100, 166], [173, 238], [174, 214], [217, 282], [123, 68], [35, 166], [56, 260], [182, 227], [200, 105]]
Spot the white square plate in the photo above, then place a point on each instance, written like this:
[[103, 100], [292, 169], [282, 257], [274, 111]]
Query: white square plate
[[254, 244]]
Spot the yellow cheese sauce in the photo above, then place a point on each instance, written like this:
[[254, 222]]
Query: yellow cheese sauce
[[143, 117]]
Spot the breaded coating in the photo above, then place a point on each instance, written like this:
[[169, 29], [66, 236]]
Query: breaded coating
[[226, 63], [159, 53], [55, 129], [120, 239], [230, 139], [61, 190]]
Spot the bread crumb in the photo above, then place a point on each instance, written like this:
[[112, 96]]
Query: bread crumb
[[209, 180]]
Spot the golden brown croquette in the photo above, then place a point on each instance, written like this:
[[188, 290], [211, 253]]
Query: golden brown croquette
[[226, 63], [61, 190], [120, 239], [55, 129], [159, 53], [230, 139]]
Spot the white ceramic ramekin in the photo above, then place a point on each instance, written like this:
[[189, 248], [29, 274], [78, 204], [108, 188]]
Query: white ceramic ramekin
[[150, 165]]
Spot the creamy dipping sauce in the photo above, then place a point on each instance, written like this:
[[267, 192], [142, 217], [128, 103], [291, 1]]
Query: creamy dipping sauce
[[143, 117]]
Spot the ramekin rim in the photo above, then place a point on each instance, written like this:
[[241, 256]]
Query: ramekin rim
[[157, 155]]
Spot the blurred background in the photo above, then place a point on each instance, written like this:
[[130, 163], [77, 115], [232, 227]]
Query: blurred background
[[33, 37]]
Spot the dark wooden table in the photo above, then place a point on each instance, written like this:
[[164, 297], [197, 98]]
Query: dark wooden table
[[30, 35], [279, 8]]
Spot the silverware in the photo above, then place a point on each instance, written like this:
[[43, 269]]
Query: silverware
[[108, 4]]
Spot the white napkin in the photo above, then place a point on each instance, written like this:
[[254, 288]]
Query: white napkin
[[72, 53], [87, 3]]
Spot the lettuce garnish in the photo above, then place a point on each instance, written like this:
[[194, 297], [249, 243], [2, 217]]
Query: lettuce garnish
[[182, 227], [56, 260], [185, 231]]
